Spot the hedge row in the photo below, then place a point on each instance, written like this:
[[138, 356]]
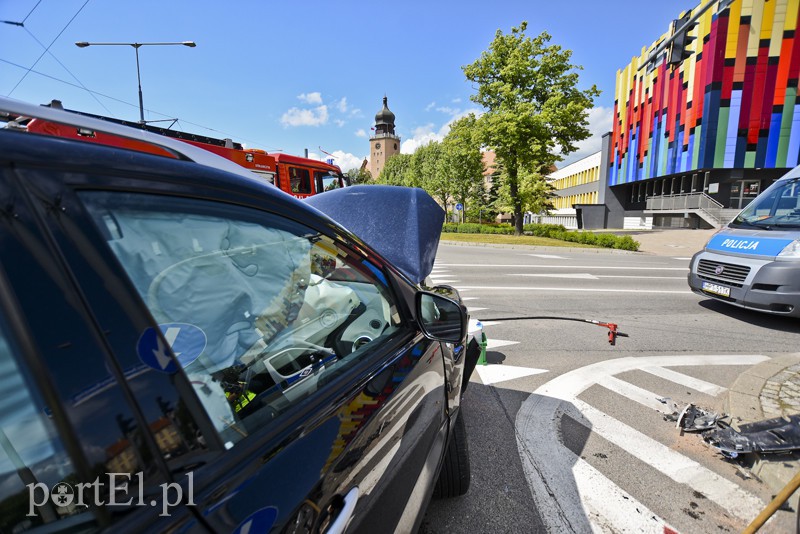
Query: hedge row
[[553, 231]]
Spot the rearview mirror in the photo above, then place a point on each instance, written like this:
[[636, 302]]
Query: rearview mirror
[[441, 318]]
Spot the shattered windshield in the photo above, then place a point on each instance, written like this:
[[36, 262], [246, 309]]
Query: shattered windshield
[[777, 207]]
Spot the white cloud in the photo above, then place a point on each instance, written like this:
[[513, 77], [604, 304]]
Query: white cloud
[[422, 136], [344, 160], [361, 133], [305, 117], [430, 106], [425, 134], [311, 98], [339, 123], [456, 101], [341, 105], [601, 121]]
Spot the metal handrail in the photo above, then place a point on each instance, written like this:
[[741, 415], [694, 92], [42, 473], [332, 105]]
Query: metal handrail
[[682, 201]]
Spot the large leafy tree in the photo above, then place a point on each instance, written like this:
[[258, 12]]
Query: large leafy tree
[[397, 171], [462, 162], [533, 107], [427, 168], [359, 176]]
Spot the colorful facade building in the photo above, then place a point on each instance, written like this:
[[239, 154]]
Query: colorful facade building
[[705, 132]]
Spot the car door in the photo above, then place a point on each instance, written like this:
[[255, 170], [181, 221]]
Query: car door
[[75, 452], [321, 400]]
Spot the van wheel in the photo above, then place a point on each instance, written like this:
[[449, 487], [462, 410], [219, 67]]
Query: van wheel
[[455, 474]]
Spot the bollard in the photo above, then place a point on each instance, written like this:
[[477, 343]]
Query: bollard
[[483, 343]]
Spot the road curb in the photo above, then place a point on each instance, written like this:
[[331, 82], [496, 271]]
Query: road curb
[[544, 248], [752, 392]]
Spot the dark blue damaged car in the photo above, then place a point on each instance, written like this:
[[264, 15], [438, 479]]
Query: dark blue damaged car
[[188, 349]]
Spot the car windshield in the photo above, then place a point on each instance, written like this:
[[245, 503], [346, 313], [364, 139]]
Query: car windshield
[[777, 207]]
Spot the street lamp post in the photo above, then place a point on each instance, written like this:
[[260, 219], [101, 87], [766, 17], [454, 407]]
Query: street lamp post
[[136, 46]]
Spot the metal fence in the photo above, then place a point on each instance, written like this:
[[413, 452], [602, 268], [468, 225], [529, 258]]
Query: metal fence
[[683, 201]]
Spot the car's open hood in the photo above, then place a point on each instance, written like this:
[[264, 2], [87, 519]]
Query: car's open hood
[[403, 224]]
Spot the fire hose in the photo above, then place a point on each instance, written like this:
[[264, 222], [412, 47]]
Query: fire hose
[[613, 332]]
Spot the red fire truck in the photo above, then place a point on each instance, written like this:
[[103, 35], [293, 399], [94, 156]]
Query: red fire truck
[[300, 177]]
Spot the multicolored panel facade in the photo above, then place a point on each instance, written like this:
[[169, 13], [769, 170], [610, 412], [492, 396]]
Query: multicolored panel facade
[[732, 104]]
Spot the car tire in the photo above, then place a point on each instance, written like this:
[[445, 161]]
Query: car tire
[[455, 474]]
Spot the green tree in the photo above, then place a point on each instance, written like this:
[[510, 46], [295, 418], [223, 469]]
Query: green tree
[[533, 108], [397, 171], [427, 166], [462, 161], [359, 176]]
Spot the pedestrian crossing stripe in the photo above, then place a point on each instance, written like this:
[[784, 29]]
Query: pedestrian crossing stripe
[[495, 343], [550, 466], [492, 374]]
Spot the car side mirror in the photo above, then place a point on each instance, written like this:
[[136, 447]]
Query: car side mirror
[[441, 318]]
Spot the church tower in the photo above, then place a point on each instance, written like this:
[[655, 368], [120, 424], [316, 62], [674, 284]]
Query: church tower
[[384, 143]]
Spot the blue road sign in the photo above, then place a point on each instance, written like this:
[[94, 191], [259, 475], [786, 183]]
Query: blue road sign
[[187, 342]]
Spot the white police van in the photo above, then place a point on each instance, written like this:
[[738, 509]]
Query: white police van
[[754, 261]]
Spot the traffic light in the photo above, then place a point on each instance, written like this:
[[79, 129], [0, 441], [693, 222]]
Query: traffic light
[[681, 39]]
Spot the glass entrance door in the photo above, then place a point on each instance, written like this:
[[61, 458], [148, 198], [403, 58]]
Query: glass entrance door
[[743, 192]]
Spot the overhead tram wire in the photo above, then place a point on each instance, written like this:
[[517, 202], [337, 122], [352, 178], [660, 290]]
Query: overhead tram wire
[[48, 47], [171, 117], [70, 73], [29, 14], [22, 24]]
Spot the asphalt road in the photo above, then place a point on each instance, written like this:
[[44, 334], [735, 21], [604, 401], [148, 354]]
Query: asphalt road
[[565, 431]]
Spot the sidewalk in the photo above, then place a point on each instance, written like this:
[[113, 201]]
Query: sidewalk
[[678, 242], [765, 391]]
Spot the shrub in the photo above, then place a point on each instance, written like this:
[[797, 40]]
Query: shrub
[[553, 231]]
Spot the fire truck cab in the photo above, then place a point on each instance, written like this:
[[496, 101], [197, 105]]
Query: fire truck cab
[[297, 176]]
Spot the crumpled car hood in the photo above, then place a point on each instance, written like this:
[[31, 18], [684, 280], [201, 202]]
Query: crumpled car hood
[[403, 224]]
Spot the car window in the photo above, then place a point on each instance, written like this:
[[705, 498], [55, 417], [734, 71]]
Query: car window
[[267, 309], [34, 467], [326, 181], [300, 180]]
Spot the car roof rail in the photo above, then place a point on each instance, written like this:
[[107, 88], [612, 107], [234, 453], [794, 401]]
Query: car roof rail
[[13, 111]]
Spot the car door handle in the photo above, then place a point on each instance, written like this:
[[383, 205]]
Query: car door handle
[[345, 514]]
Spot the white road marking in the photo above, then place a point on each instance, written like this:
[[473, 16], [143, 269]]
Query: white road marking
[[676, 466], [559, 490], [684, 259], [686, 380], [496, 343], [492, 374], [585, 289], [566, 266], [547, 256], [582, 276], [570, 494], [643, 277], [631, 516], [436, 280], [633, 392], [471, 309], [470, 298]]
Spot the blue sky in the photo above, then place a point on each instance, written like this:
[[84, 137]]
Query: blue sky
[[310, 75]]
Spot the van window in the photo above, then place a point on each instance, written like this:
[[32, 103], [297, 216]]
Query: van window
[[326, 181], [777, 207], [300, 180]]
